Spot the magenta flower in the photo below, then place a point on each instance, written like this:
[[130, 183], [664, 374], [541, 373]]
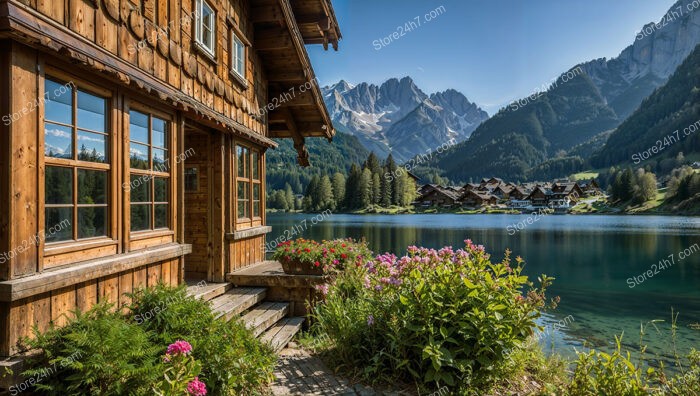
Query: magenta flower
[[197, 387], [179, 348]]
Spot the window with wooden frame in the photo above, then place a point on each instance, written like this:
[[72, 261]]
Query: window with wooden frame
[[150, 173], [205, 26], [238, 55], [248, 184], [77, 162]]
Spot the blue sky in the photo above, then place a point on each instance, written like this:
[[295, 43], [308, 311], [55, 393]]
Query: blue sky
[[493, 51]]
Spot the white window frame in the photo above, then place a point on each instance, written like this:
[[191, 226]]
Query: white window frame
[[199, 26], [234, 55]]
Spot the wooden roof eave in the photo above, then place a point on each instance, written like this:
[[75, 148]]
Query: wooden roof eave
[[308, 71]]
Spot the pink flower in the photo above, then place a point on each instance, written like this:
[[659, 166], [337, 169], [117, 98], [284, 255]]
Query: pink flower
[[197, 387], [322, 288], [179, 348]]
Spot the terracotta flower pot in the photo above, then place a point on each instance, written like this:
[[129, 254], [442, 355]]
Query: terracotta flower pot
[[297, 267]]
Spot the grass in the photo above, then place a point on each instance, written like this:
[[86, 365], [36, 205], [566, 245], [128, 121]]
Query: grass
[[586, 175]]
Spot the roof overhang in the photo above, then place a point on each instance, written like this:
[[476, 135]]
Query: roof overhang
[[295, 106]]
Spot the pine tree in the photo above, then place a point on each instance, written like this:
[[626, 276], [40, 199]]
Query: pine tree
[[338, 183], [376, 189], [352, 188], [372, 163], [312, 192], [289, 196], [365, 188], [385, 189], [325, 193]]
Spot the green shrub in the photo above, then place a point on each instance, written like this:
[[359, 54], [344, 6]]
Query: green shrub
[[97, 353], [438, 318], [233, 361], [600, 373]]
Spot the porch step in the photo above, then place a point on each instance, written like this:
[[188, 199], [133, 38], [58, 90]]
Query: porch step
[[264, 316], [207, 291], [236, 301], [282, 333]]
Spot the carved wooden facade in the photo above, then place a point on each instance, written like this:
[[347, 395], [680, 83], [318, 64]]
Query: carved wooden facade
[[133, 139]]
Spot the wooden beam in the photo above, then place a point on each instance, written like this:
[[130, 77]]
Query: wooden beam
[[286, 76], [273, 39], [294, 98], [266, 14]]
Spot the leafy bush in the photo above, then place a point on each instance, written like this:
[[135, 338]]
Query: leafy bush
[[103, 352], [439, 318], [98, 353], [600, 373], [331, 255], [233, 361]]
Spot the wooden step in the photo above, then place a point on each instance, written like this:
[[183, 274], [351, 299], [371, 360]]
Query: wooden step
[[236, 301], [282, 333], [264, 316], [207, 291]]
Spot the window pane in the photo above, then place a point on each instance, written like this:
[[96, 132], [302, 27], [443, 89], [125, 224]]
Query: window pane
[[207, 27], [161, 216], [58, 141], [57, 224], [242, 190], [242, 155], [256, 200], [140, 217], [59, 185], [92, 222], [161, 187], [92, 187], [159, 134], [91, 112], [93, 147], [139, 156], [59, 102], [160, 160], [138, 127], [242, 209], [140, 188], [256, 165]]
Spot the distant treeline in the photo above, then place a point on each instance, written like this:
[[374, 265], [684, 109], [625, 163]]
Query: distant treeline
[[371, 183]]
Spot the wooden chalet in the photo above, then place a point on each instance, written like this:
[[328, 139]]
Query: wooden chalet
[[134, 147], [473, 198], [439, 196]]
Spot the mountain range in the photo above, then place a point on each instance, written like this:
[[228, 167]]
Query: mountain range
[[574, 111], [579, 121], [398, 118]]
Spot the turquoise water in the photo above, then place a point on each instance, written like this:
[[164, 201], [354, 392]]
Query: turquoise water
[[595, 260]]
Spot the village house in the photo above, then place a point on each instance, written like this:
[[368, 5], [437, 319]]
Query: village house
[[589, 188], [475, 199], [136, 148], [438, 196]]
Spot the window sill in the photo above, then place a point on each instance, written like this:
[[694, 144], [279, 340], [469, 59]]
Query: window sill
[[88, 270], [248, 233], [204, 51], [55, 248], [140, 235], [240, 81]]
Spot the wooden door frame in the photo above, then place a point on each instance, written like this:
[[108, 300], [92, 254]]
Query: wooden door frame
[[216, 204]]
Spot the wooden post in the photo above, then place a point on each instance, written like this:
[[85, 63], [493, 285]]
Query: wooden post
[[216, 208], [23, 174]]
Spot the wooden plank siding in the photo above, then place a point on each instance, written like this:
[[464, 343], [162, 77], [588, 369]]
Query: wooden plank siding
[[139, 55], [59, 305]]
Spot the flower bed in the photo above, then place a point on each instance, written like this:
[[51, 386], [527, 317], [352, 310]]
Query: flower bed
[[307, 257], [433, 317]]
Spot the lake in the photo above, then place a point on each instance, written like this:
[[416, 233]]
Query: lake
[[610, 270]]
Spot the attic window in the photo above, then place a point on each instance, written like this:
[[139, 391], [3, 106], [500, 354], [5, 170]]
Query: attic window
[[205, 26]]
